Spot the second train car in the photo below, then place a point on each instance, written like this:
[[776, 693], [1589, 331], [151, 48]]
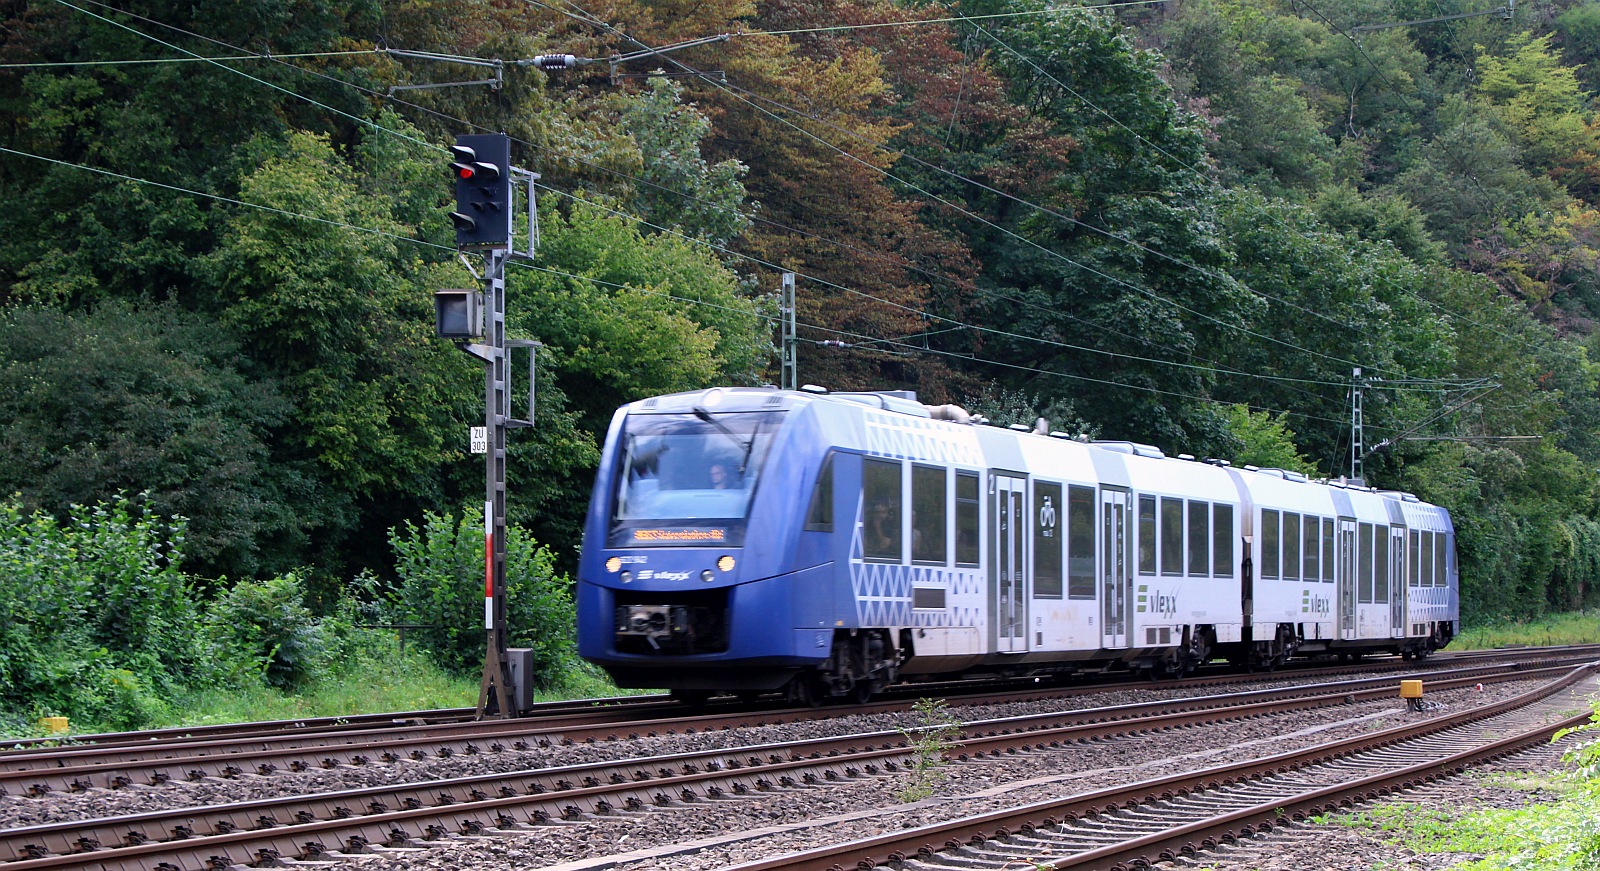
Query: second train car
[[751, 540]]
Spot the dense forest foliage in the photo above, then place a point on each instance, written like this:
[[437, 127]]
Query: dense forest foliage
[[1185, 222]]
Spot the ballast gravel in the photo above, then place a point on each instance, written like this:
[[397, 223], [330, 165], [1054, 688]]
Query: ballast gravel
[[713, 834]]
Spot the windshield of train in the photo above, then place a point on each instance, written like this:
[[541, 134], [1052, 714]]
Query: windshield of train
[[688, 478]]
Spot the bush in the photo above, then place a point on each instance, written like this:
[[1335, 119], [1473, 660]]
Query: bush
[[266, 627], [441, 589], [96, 618], [96, 694]]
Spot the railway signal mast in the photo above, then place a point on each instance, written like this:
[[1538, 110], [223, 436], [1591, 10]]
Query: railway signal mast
[[486, 185], [484, 219]]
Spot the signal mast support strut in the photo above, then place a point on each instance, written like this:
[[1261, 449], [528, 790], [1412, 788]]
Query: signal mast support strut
[[791, 376], [496, 696]]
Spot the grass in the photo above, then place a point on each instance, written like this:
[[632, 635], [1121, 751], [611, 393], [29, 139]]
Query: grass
[[1580, 627], [379, 679], [384, 682], [1563, 835], [374, 684]]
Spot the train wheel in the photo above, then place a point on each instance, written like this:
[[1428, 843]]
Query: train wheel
[[804, 691], [863, 691]]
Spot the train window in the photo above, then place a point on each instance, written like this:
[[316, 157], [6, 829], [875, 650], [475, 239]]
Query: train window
[[1381, 566], [1080, 542], [1310, 539], [1327, 550], [1441, 554], [1425, 555], [1222, 541], [928, 516], [1291, 546], [1269, 544], [1048, 522], [966, 519], [819, 517], [1171, 536], [880, 497], [681, 470], [1364, 562], [1199, 539], [1147, 535], [1414, 561]]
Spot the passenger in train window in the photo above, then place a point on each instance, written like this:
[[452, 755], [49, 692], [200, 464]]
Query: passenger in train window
[[881, 538]]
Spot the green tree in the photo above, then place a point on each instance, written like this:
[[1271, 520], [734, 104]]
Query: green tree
[[627, 315], [1240, 67], [315, 292], [1541, 103], [1265, 440], [265, 627], [101, 616], [677, 188], [1127, 275], [151, 399]]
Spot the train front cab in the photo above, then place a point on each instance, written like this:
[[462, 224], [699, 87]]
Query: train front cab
[[690, 578]]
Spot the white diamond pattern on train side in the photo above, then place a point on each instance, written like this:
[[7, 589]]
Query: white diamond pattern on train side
[[883, 592], [883, 595], [916, 438]]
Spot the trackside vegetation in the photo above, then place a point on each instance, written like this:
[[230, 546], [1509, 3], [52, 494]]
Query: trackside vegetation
[[101, 625], [1558, 829]]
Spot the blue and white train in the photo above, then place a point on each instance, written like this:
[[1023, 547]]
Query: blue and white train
[[751, 540]]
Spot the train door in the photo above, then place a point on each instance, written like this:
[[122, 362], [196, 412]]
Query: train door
[[1008, 582], [1116, 574], [1397, 582], [1347, 579]]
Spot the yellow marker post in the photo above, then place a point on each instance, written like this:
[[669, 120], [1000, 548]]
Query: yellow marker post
[[54, 725], [1411, 691]]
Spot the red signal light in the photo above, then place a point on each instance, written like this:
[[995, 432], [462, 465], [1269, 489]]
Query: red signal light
[[463, 168]]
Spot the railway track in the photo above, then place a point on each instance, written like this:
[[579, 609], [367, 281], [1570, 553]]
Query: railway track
[[399, 817], [641, 704], [123, 765], [1136, 826]]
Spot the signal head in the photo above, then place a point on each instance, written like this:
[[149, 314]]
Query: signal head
[[482, 168]]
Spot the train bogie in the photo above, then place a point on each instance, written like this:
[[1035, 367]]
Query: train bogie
[[752, 540]]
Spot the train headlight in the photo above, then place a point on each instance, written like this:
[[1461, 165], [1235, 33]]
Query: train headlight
[[614, 564], [706, 575], [724, 563], [627, 577]]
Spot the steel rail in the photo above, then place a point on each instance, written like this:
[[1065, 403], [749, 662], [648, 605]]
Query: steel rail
[[122, 767]]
